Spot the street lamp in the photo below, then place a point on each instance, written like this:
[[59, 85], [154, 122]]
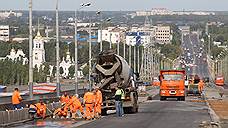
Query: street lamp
[[101, 28], [30, 52], [209, 45], [76, 45], [57, 50]]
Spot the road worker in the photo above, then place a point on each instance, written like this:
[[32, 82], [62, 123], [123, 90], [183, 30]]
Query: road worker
[[61, 112], [98, 102], [41, 109], [119, 97], [201, 86], [64, 98], [89, 102], [75, 105], [16, 99], [32, 110]]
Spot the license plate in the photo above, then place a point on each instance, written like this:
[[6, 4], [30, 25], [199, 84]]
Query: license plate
[[172, 92]]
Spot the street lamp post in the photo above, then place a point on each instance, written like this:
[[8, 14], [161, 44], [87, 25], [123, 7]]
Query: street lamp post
[[57, 50], [134, 58], [76, 46], [129, 55], [209, 45], [30, 52], [101, 27], [138, 58], [90, 56]]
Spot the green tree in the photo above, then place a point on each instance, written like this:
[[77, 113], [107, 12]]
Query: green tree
[[71, 71]]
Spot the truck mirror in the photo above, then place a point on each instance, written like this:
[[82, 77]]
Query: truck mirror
[[160, 77]]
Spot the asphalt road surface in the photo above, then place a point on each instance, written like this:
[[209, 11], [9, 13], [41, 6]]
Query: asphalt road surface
[[194, 56], [158, 114]]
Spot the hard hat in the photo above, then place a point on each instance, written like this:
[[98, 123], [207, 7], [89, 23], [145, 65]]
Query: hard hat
[[76, 95]]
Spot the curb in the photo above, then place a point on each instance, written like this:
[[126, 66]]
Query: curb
[[214, 117]]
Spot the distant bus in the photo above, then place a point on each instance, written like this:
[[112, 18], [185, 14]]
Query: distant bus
[[219, 80]]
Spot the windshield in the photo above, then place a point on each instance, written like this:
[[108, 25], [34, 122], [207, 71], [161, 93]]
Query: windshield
[[172, 77]]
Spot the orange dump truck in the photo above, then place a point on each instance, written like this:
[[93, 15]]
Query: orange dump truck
[[219, 80], [172, 84]]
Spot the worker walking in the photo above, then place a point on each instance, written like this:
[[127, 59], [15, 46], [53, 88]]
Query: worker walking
[[201, 86], [16, 99], [41, 109], [98, 102], [119, 97], [89, 102]]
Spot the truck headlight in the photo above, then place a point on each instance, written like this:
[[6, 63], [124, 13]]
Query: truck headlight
[[162, 91], [182, 91]]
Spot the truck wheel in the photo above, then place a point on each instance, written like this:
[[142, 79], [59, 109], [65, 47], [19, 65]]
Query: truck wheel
[[162, 98], [182, 98], [104, 112]]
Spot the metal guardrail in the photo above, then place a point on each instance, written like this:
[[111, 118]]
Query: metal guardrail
[[6, 104]]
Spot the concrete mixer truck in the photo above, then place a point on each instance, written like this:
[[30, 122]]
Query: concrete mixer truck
[[112, 70]]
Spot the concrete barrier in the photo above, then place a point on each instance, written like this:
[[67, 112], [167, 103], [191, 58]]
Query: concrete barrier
[[13, 116], [18, 116]]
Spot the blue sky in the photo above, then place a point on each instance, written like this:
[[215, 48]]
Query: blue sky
[[108, 5]]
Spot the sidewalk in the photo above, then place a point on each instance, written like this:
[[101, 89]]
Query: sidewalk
[[218, 106]]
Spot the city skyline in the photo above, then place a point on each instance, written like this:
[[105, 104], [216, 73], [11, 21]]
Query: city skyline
[[119, 5]]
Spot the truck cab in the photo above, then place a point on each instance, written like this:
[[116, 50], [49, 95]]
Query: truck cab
[[172, 84]]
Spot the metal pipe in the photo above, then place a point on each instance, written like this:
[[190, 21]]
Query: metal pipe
[[30, 53], [57, 50]]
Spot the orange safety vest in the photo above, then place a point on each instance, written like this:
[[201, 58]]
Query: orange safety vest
[[61, 112], [64, 99], [16, 98], [89, 98], [41, 108], [98, 97]]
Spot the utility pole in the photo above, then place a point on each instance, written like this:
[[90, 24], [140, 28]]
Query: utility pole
[[110, 43], [135, 58], [130, 55], [138, 58], [118, 48], [90, 56], [30, 53], [57, 50], [209, 45], [76, 52], [101, 43], [124, 48]]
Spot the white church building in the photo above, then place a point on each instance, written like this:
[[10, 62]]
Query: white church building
[[38, 50]]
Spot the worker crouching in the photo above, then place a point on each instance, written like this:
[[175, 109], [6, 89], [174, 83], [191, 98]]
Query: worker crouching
[[61, 112], [41, 109]]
